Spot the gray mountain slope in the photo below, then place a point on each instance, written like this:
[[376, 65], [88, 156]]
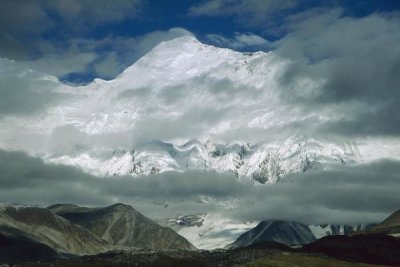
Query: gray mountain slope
[[121, 225], [43, 226], [288, 233], [391, 225]]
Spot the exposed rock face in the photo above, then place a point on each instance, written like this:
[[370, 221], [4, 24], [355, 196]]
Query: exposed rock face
[[45, 227], [121, 225], [288, 233]]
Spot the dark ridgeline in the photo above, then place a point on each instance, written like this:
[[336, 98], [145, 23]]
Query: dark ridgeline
[[391, 225], [44, 227], [32, 233], [284, 232]]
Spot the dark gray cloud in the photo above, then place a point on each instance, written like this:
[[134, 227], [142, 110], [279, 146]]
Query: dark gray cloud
[[16, 20], [28, 180], [357, 61], [363, 193], [25, 179], [22, 22], [345, 195]]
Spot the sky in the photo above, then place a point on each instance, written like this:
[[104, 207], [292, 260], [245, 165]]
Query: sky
[[78, 41], [336, 74]]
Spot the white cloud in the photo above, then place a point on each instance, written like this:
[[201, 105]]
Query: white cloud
[[62, 64], [25, 92], [103, 58], [240, 41], [124, 51], [108, 66]]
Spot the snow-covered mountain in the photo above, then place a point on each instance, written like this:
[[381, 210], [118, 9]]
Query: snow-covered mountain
[[185, 105], [211, 231], [260, 162], [337, 229]]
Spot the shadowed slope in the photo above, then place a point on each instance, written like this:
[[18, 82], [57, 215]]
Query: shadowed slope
[[16, 246], [288, 233], [123, 226], [45, 227]]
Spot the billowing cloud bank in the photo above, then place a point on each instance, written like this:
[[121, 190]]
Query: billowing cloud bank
[[361, 194]]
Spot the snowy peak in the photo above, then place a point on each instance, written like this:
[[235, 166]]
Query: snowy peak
[[184, 58], [185, 53], [181, 56], [184, 93]]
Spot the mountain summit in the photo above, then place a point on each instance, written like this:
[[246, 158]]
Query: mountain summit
[[187, 105], [123, 226], [190, 106], [65, 230]]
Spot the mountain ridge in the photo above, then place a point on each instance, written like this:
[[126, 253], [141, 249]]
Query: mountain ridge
[[56, 232], [116, 227], [263, 163], [123, 226], [180, 91], [283, 232]]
